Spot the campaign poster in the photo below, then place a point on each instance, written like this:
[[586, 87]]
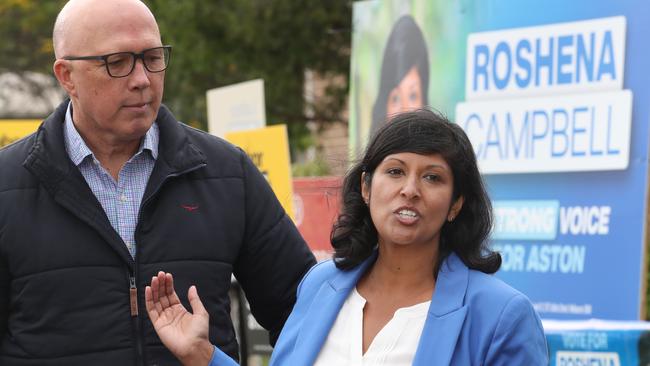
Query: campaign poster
[[411, 46], [598, 342], [236, 107], [554, 97], [268, 148], [14, 129]]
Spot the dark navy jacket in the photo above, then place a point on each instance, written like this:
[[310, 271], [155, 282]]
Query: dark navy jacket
[[66, 275]]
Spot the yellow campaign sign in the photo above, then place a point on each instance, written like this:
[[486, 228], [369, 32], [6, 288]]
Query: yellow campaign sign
[[268, 148], [14, 129]]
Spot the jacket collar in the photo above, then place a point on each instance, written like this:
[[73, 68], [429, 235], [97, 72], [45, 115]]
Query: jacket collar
[[346, 280], [78, 151], [177, 154], [49, 162], [451, 286], [447, 314], [322, 312], [449, 293], [175, 148], [442, 327]]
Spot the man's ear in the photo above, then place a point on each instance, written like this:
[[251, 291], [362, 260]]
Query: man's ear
[[365, 190], [455, 209], [62, 71]]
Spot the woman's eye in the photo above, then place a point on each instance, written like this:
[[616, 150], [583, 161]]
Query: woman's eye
[[432, 177], [394, 171]]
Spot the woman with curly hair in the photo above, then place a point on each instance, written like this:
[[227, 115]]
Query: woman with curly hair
[[411, 279]]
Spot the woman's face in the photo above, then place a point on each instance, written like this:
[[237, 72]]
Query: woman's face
[[410, 197], [407, 95]]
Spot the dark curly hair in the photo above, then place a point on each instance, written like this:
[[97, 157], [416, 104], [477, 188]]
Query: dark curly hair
[[354, 235]]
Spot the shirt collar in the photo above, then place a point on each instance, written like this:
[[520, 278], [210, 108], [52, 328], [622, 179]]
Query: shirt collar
[[78, 150]]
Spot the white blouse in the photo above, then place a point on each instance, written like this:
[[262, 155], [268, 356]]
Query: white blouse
[[394, 345]]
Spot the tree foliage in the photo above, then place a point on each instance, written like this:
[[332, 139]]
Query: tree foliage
[[26, 33], [217, 43]]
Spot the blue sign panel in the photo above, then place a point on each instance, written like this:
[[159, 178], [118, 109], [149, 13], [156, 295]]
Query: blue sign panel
[[556, 107], [554, 96], [598, 343]]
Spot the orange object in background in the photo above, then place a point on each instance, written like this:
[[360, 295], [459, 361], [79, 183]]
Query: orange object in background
[[316, 203]]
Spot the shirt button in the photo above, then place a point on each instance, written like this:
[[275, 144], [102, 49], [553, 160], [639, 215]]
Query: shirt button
[[123, 198]]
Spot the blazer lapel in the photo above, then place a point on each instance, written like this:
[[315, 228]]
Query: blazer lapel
[[446, 315], [323, 311]]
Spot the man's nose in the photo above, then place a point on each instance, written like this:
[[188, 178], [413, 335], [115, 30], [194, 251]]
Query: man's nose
[[139, 77]]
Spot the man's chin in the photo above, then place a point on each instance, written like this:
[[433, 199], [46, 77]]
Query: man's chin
[[135, 128], [139, 117]]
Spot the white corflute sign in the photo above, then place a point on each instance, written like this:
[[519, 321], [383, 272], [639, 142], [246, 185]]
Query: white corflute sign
[[548, 98]]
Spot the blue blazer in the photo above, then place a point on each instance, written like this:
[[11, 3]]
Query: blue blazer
[[474, 319]]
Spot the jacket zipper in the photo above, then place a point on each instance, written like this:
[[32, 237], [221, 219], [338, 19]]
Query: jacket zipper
[[133, 296], [135, 319]]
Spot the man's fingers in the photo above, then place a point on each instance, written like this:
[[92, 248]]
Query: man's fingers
[[195, 301]]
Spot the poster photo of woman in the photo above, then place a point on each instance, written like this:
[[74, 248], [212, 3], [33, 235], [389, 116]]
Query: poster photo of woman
[[404, 57]]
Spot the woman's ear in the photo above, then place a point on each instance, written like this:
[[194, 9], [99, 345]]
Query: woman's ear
[[365, 190], [455, 209]]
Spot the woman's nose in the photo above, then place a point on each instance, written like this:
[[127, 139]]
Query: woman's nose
[[410, 189]]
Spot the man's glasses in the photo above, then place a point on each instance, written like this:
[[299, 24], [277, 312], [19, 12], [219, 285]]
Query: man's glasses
[[121, 64]]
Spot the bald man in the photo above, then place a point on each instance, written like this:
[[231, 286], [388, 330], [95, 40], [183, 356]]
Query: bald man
[[112, 189]]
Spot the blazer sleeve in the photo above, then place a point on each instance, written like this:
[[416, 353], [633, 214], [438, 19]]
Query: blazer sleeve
[[219, 358], [288, 336], [306, 295], [519, 336], [273, 258]]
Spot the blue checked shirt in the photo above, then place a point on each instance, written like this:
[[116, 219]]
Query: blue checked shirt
[[120, 200]]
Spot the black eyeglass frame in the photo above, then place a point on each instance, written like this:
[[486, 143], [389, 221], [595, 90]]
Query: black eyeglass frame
[[136, 56]]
